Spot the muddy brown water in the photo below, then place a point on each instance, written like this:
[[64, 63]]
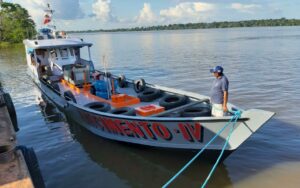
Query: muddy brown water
[[262, 64]]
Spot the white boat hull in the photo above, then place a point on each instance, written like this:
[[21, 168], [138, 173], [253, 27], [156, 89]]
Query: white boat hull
[[165, 132]]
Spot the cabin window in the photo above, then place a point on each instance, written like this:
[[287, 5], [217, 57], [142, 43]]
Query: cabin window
[[72, 52], [64, 53]]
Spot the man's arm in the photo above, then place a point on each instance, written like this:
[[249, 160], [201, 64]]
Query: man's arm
[[225, 109]]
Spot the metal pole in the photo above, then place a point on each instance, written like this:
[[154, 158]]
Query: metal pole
[[90, 59]]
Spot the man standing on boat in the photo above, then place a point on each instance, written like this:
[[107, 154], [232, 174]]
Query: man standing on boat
[[219, 92]]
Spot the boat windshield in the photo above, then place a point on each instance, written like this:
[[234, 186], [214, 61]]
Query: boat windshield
[[64, 53], [53, 55]]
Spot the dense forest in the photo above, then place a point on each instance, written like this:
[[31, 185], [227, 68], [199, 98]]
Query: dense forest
[[225, 24], [15, 23]]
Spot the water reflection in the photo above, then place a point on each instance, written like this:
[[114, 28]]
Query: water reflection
[[145, 166], [262, 65], [140, 166], [49, 111], [274, 145]]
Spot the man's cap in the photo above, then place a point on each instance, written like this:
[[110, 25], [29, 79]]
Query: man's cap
[[217, 69]]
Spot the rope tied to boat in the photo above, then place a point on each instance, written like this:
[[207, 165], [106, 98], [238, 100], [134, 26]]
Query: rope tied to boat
[[233, 120]]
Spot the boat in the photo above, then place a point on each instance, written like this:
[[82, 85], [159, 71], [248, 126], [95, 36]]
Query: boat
[[132, 111]]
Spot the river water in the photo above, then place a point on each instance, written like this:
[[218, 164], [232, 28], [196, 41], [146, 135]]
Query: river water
[[262, 64]]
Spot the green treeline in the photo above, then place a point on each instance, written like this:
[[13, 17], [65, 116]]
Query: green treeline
[[247, 23], [15, 23]]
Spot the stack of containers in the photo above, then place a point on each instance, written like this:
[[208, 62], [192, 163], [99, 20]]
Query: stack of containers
[[103, 88]]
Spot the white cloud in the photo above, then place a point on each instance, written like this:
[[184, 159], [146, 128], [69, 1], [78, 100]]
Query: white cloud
[[188, 11], [146, 15], [246, 8], [67, 9], [102, 11], [36, 9]]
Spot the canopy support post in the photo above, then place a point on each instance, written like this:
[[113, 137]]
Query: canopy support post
[[90, 59]]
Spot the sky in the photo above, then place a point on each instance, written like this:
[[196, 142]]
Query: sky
[[111, 14]]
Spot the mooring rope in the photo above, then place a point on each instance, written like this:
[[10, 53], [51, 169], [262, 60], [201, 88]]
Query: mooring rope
[[233, 120], [237, 114]]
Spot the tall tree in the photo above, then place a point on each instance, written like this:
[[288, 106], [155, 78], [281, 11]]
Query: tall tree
[[15, 23]]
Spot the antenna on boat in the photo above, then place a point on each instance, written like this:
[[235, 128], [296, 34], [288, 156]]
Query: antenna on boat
[[48, 18]]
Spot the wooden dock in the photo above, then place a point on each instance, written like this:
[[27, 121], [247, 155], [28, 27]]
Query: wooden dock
[[14, 172]]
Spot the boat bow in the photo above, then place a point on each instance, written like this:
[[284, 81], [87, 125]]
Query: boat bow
[[256, 118]]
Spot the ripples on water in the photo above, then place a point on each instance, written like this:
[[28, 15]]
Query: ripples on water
[[261, 63]]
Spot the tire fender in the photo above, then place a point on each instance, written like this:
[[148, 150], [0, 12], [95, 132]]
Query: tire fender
[[173, 101], [149, 94], [196, 111], [139, 85], [68, 95], [33, 166], [98, 106], [122, 81], [7, 101], [124, 111]]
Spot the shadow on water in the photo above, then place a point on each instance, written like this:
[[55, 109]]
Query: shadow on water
[[49, 111], [274, 144], [145, 166]]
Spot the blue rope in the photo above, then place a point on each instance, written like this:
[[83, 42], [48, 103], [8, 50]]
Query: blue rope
[[236, 116]]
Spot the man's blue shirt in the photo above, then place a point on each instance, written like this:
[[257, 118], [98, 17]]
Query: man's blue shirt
[[220, 85]]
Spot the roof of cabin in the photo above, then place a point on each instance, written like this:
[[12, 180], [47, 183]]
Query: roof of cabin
[[55, 43]]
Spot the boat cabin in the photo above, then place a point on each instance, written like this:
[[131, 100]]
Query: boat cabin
[[54, 59]]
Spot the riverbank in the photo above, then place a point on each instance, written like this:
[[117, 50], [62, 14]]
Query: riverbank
[[10, 45], [223, 24], [4, 44]]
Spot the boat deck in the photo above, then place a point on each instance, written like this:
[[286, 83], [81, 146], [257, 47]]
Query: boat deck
[[84, 97]]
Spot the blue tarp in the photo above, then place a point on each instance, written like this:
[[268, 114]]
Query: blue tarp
[[30, 50]]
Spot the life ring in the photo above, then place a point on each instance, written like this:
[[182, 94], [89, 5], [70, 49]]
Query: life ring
[[139, 85], [123, 111], [173, 101], [98, 106], [11, 110], [33, 166], [69, 96], [196, 111], [149, 94], [122, 81]]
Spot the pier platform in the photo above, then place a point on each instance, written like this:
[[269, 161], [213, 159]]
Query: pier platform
[[14, 165]]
